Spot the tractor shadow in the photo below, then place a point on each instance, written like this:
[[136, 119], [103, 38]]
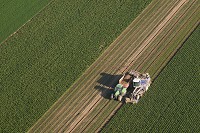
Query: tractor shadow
[[107, 82]]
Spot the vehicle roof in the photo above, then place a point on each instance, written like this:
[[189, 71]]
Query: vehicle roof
[[136, 80]]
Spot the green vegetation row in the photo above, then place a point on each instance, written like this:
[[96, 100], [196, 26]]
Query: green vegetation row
[[171, 104], [14, 13], [50, 52]]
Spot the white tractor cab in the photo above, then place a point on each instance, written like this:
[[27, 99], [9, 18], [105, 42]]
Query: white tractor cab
[[137, 81]]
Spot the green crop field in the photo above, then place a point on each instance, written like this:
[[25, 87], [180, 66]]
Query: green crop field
[[14, 13], [172, 102], [42, 59]]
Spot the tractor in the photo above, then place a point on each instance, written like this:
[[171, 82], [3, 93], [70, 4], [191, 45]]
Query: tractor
[[136, 82], [121, 88]]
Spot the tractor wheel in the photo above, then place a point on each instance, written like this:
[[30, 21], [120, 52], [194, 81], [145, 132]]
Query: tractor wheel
[[119, 98], [138, 97], [127, 100], [112, 96]]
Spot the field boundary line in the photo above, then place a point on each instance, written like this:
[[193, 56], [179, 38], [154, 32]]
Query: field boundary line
[[29, 20]]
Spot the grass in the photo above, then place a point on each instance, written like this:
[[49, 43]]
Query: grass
[[13, 14], [43, 58], [171, 105]]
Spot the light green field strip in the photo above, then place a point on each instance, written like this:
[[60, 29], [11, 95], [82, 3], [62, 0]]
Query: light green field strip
[[68, 114], [13, 14]]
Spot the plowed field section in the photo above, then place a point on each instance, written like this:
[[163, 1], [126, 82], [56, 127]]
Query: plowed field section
[[146, 45]]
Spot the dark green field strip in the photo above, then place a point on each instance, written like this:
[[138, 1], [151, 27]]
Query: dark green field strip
[[35, 61], [170, 108], [15, 13]]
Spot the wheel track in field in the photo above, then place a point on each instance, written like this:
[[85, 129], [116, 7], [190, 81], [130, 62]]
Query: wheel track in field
[[94, 93]]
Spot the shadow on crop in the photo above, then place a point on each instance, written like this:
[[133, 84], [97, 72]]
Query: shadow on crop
[[106, 84]]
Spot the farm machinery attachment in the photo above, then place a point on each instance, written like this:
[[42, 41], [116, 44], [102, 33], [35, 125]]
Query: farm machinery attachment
[[137, 83]]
